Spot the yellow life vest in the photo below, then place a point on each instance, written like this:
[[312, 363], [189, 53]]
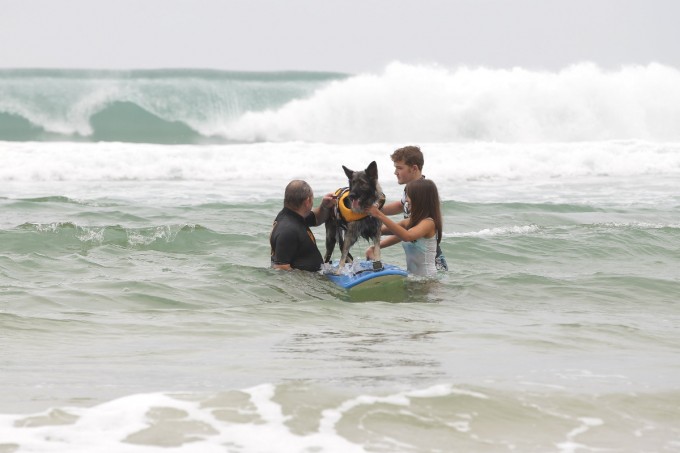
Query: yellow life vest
[[346, 213]]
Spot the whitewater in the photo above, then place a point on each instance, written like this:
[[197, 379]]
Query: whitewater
[[403, 103], [138, 312]]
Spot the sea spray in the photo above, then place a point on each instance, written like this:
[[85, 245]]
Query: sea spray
[[403, 103]]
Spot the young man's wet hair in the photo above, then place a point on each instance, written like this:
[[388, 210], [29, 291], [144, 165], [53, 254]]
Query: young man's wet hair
[[410, 155]]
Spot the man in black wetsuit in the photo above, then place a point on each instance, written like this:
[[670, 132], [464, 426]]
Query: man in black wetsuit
[[293, 245]]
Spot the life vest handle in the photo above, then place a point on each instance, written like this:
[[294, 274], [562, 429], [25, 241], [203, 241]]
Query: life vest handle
[[346, 213]]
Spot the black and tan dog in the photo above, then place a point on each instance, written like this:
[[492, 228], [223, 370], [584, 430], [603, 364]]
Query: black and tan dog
[[349, 220]]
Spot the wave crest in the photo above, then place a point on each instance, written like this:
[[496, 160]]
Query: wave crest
[[421, 103], [404, 103]]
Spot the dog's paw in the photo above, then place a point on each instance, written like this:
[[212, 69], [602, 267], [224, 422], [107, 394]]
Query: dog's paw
[[378, 265]]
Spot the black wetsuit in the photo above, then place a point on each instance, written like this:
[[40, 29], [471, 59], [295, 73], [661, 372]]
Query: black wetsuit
[[293, 243]]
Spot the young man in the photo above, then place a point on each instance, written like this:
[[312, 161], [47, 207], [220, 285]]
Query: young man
[[293, 245], [408, 166]]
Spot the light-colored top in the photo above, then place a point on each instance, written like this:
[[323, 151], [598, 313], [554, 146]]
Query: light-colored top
[[404, 205], [420, 256]]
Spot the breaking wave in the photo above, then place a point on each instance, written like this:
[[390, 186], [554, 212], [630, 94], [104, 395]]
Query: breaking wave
[[403, 103]]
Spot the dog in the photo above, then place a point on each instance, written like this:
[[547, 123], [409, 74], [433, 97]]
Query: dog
[[349, 221]]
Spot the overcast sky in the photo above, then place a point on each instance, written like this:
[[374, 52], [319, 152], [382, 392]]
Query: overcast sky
[[336, 35]]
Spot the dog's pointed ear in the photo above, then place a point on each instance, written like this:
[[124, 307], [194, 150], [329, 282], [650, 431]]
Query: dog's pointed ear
[[348, 172], [372, 170]]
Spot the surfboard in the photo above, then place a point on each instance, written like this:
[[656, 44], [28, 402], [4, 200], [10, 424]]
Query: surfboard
[[362, 275]]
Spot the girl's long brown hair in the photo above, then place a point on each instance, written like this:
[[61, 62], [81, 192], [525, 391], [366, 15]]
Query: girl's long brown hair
[[424, 203]]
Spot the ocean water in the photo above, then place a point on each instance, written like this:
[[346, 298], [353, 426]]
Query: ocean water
[[138, 312]]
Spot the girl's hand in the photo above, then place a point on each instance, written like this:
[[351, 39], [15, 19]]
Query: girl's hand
[[373, 211], [370, 253]]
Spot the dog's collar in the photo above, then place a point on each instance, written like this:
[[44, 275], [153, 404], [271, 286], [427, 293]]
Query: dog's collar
[[346, 213]]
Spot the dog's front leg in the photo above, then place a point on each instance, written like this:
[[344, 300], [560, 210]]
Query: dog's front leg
[[345, 252], [377, 263], [346, 242], [331, 239]]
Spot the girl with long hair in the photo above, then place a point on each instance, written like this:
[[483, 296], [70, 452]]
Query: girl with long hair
[[420, 233]]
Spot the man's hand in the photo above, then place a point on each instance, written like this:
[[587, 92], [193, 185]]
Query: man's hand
[[323, 211], [328, 200]]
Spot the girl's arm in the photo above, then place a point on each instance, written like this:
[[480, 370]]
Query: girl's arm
[[425, 228]]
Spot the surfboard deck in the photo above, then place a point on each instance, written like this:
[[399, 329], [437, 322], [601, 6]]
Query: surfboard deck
[[363, 275]]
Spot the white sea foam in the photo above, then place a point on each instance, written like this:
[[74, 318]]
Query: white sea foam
[[403, 103], [472, 171], [267, 161], [158, 421], [501, 231], [184, 423], [430, 103], [571, 446], [256, 420], [641, 225]]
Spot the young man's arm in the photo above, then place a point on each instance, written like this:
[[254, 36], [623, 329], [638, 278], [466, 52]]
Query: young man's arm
[[393, 208]]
